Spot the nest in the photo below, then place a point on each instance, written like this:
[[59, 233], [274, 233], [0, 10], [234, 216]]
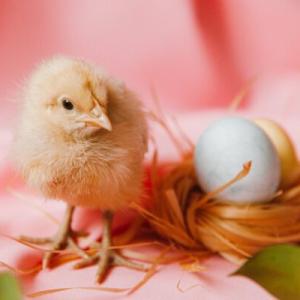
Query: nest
[[197, 222]]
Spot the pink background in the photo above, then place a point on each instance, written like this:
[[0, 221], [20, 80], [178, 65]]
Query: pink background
[[197, 55]]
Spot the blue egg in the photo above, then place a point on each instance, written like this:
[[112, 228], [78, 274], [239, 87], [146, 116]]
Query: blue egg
[[222, 150]]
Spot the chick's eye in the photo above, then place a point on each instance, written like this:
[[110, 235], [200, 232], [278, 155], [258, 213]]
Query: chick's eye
[[67, 104]]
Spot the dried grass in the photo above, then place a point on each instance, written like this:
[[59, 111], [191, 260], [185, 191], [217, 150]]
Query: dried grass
[[197, 222]]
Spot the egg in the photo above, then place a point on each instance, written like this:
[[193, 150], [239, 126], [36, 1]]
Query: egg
[[222, 150], [285, 149]]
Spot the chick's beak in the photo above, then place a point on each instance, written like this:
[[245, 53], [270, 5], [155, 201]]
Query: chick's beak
[[104, 122], [98, 118]]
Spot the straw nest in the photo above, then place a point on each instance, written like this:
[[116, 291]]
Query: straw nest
[[198, 222]]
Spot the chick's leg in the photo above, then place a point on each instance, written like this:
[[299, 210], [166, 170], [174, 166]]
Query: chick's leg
[[62, 239], [107, 257]]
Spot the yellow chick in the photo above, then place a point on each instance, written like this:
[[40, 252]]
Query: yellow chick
[[82, 137]]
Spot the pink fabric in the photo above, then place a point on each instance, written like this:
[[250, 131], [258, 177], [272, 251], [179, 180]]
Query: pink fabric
[[197, 54]]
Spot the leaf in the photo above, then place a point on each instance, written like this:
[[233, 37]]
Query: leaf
[[277, 269], [9, 287]]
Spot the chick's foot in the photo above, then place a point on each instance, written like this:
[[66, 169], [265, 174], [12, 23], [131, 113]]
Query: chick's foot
[[107, 257], [62, 240]]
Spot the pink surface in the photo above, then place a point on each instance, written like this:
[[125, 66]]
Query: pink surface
[[197, 55]]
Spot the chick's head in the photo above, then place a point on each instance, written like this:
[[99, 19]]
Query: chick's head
[[70, 95]]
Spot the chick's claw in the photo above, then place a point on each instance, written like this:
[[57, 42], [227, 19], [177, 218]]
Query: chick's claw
[[56, 244], [35, 241], [62, 240], [106, 259]]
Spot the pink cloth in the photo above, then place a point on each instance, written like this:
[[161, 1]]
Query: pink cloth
[[197, 54]]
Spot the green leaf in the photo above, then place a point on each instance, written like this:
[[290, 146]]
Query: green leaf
[[9, 287], [277, 269]]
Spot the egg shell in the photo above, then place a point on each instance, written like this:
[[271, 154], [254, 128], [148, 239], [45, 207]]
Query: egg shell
[[222, 150], [284, 147]]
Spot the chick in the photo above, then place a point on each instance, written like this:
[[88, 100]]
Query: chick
[[81, 138]]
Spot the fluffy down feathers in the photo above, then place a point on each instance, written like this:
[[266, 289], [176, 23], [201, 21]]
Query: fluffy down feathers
[[68, 160]]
